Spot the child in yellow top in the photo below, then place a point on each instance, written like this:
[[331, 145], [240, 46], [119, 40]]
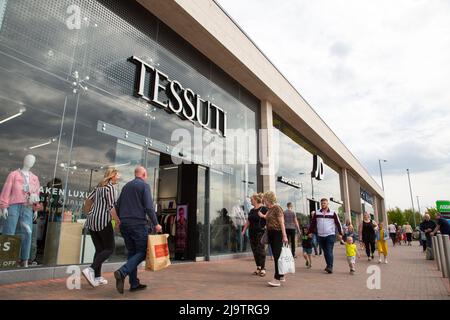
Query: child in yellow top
[[382, 238], [352, 251]]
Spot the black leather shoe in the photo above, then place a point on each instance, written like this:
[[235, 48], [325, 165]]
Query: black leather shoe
[[328, 270], [119, 281], [139, 288]]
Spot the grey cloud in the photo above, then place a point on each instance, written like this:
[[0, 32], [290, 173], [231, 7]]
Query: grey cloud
[[340, 49], [409, 154]]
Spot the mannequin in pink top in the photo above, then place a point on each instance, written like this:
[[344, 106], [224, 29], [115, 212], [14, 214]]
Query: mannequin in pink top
[[18, 199]]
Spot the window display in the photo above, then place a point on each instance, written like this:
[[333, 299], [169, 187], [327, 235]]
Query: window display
[[19, 202], [297, 180], [68, 97]]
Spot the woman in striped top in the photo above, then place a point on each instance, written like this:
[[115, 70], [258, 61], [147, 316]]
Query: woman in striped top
[[100, 226]]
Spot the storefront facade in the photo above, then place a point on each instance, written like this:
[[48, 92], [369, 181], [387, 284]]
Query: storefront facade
[[87, 85], [295, 163]]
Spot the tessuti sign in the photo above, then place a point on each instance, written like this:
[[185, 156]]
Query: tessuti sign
[[9, 251], [182, 101], [443, 206], [317, 171], [289, 182]]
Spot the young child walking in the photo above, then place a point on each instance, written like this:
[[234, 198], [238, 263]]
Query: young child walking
[[382, 237], [307, 246], [351, 251]]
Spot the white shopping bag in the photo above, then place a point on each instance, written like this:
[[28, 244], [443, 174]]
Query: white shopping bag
[[286, 262]]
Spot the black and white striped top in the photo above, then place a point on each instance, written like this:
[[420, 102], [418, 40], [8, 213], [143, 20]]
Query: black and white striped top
[[104, 200]]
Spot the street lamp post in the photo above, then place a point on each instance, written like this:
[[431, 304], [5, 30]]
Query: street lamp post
[[303, 199], [418, 204], [412, 201], [381, 172]]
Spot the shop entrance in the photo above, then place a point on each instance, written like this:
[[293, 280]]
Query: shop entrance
[[176, 193], [175, 190]]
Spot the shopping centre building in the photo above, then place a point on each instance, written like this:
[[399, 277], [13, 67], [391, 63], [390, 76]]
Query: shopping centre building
[[175, 86]]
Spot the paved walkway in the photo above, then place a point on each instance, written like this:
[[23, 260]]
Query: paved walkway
[[407, 276]]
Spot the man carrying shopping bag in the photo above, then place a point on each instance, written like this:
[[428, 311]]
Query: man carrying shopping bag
[[133, 207]]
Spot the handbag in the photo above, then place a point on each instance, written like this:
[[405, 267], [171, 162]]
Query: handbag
[[265, 238], [88, 206], [88, 203]]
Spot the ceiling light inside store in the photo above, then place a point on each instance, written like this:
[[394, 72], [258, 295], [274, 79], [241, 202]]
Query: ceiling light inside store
[[21, 111], [170, 168], [43, 144]]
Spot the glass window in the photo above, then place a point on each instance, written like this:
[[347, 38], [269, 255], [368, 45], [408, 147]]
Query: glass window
[[294, 161], [67, 97]]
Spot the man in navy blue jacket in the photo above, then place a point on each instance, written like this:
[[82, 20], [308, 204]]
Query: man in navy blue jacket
[[133, 207]]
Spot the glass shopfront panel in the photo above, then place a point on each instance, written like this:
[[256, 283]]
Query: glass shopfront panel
[[68, 98], [294, 161]]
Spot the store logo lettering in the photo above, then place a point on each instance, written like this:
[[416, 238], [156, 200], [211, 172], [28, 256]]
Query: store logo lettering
[[181, 101], [317, 171]]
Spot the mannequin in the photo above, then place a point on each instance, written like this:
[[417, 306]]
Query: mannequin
[[18, 199], [238, 218]]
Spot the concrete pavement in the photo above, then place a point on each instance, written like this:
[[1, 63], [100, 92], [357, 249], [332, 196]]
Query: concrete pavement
[[407, 276]]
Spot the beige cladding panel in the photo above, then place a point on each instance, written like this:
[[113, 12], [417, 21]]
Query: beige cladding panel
[[354, 194]]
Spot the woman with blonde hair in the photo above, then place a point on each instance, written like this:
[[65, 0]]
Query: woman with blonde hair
[[256, 226], [99, 223], [276, 232]]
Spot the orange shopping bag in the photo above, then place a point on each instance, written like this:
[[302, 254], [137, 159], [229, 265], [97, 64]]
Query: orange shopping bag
[[158, 256]]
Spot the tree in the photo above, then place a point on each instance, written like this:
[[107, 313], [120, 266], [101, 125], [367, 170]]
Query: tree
[[432, 212], [396, 216], [409, 217]]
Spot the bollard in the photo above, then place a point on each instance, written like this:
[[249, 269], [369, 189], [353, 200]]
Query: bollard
[[443, 263], [446, 246], [436, 252]]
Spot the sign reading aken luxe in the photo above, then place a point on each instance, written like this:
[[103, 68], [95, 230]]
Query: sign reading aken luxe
[[181, 101]]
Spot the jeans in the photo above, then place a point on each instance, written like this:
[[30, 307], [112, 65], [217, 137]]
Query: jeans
[[327, 245], [291, 238], [315, 245], [104, 247], [20, 217], [135, 237], [276, 243], [424, 244], [33, 251]]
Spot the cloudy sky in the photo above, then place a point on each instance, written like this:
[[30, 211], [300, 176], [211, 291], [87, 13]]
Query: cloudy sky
[[378, 72]]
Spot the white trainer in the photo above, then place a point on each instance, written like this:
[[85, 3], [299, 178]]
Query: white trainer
[[385, 261], [89, 274], [101, 281], [274, 283]]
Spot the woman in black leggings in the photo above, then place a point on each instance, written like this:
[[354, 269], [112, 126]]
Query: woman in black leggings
[[367, 235], [276, 232], [99, 222]]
